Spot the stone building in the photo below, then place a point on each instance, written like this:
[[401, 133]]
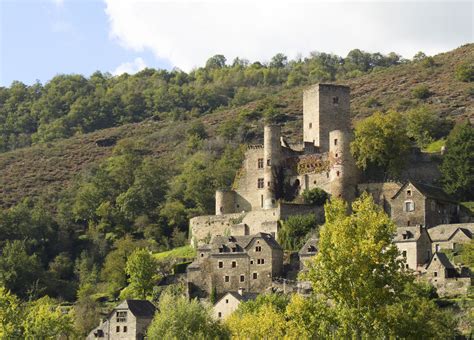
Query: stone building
[[128, 321], [277, 170], [230, 263], [414, 244], [308, 250], [227, 304], [449, 236], [422, 204], [440, 268]]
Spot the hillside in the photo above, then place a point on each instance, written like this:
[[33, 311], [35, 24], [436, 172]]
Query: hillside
[[50, 167]]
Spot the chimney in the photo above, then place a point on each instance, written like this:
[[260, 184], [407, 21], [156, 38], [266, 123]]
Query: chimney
[[241, 291]]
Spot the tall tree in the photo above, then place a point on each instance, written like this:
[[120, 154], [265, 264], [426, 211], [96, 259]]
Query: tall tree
[[142, 269], [458, 162]]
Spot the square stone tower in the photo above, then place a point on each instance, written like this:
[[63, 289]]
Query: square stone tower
[[326, 107]]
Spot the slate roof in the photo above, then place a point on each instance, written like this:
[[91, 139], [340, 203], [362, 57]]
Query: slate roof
[[139, 308], [310, 247], [407, 234], [244, 297], [428, 191], [443, 259], [444, 232], [240, 243]]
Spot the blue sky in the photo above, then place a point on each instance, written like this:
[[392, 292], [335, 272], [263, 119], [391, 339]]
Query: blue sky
[[42, 38]]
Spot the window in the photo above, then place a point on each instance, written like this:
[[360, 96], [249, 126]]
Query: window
[[202, 254], [408, 223], [260, 261], [258, 248], [221, 264], [409, 192], [409, 206], [260, 183], [269, 162], [234, 264], [242, 278], [121, 316], [337, 155], [404, 254], [255, 275], [260, 163], [335, 100], [310, 125], [251, 261], [117, 329], [437, 247], [338, 173], [125, 329], [226, 300], [435, 274], [226, 278], [268, 184], [219, 314], [335, 141]]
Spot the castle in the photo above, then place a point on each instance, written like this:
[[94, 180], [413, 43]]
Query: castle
[[237, 247], [277, 172]]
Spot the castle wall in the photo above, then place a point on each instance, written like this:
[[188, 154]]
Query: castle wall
[[203, 228], [225, 202], [249, 195]]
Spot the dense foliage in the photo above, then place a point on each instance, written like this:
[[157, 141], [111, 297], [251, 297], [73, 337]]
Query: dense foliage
[[73, 104], [458, 162], [295, 230]]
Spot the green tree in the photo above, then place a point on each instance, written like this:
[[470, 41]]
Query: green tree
[[179, 318], [45, 320], [465, 72], [380, 140], [295, 229], [421, 92], [142, 269], [458, 162], [422, 125], [11, 315], [315, 196]]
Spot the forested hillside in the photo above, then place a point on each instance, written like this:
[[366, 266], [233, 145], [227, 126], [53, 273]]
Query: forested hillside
[[93, 168]]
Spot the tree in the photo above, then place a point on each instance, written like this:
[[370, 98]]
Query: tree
[[279, 60], [422, 125], [358, 270], [179, 318], [295, 229], [215, 62], [380, 140], [458, 162], [142, 269], [45, 320], [465, 72], [11, 315], [315, 196]]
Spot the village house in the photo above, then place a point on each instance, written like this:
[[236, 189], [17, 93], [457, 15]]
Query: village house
[[308, 250], [450, 236], [418, 203], [128, 321], [227, 304], [231, 263], [440, 268], [414, 244]]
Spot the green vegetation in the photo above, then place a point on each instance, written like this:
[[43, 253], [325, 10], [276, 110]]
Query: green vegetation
[[142, 270], [435, 146], [421, 92], [465, 72], [458, 162], [295, 229], [184, 252], [360, 288], [179, 318], [423, 125], [380, 140], [315, 196]]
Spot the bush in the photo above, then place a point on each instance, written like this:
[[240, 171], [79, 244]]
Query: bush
[[315, 196], [295, 229], [428, 62], [465, 72], [421, 92], [372, 102]]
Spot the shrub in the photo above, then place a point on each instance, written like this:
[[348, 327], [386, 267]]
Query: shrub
[[372, 102], [465, 72], [421, 92], [315, 196], [428, 62], [295, 230]]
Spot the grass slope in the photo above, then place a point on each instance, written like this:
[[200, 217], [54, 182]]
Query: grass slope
[[48, 168]]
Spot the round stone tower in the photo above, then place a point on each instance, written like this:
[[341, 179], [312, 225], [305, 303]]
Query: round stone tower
[[225, 202], [272, 162], [343, 173]]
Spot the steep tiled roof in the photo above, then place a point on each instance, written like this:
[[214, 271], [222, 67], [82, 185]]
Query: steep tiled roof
[[428, 191], [443, 259], [240, 243], [310, 247], [444, 232], [407, 234]]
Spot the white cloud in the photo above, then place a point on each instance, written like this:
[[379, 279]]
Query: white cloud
[[130, 67], [58, 3], [188, 32]]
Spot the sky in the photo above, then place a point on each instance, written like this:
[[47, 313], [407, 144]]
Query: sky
[[42, 38]]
